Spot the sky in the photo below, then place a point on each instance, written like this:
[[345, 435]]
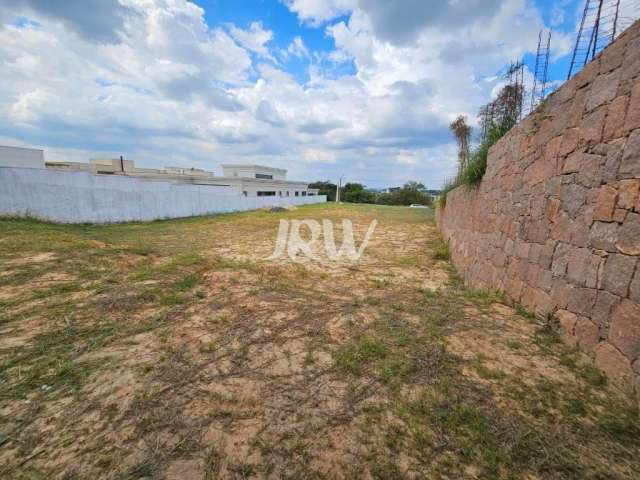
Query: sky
[[359, 89]]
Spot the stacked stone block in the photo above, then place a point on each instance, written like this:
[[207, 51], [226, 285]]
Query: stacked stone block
[[555, 223]]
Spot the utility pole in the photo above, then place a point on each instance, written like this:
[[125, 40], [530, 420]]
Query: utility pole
[[338, 190]]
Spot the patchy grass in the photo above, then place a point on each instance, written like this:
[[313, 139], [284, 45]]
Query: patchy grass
[[352, 358], [442, 252], [151, 350]]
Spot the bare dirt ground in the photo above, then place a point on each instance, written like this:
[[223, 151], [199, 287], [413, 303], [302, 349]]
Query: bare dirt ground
[[175, 350]]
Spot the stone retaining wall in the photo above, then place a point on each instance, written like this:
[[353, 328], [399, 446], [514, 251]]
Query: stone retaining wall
[[555, 223]]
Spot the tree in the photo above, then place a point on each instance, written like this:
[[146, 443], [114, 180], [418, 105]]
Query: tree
[[410, 193], [326, 188], [505, 111], [462, 131], [418, 187], [356, 193]]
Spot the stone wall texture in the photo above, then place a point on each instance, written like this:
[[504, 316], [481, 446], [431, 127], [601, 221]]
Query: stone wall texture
[[555, 222]]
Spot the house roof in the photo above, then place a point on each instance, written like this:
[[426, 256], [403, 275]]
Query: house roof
[[257, 167]]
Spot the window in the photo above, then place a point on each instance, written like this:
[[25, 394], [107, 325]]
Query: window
[[297, 193], [266, 194], [287, 193], [304, 194], [264, 176]]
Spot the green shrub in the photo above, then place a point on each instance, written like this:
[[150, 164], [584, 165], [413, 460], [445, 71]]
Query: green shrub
[[409, 193], [472, 173], [442, 252], [447, 187]]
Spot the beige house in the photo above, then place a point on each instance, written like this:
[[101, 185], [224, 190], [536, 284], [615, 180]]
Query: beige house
[[247, 180]]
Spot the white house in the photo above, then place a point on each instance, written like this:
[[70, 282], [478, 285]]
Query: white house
[[21, 157], [261, 181], [247, 180]]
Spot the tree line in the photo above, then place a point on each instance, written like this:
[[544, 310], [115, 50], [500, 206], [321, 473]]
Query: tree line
[[410, 193]]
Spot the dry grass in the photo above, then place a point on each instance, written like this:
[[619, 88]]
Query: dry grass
[[174, 350]]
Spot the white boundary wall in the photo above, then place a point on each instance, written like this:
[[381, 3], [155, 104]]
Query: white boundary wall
[[82, 197]]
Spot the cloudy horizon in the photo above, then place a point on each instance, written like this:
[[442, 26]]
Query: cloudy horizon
[[360, 89]]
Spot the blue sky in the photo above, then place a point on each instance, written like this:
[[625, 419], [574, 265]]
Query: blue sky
[[363, 89], [275, 16]]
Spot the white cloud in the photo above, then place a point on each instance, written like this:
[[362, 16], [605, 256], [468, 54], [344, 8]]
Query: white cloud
[[316, 12], [255, 39], [559, 12], [407, 158], [317, 155], [297, 48], [27, 104], [100, 21], [170, 89]]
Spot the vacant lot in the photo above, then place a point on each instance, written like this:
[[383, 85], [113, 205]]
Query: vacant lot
[[174, 350]]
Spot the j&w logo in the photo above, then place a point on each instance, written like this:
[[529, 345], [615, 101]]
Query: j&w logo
[[290, 242]]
